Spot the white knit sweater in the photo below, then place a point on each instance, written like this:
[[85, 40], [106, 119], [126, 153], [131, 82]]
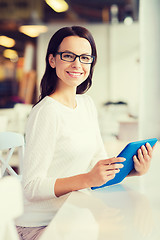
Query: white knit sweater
[[60, 142]]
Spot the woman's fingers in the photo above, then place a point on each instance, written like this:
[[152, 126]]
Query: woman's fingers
[[112, 172], [136, 160], [142, 160], [113, 160], [140, 154], [114, 166], [145, 153], [150, 149], [105, 170]]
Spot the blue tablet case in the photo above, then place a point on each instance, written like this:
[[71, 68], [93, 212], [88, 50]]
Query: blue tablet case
[[128, 152]]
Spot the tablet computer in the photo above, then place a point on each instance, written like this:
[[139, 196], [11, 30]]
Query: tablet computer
[[128, 152]]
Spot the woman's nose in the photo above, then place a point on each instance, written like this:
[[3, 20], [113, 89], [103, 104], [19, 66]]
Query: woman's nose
[[76, 63]]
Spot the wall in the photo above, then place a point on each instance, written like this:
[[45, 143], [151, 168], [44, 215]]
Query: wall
[[125, 65]]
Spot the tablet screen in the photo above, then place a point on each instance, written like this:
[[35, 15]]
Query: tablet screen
[[128, 152]]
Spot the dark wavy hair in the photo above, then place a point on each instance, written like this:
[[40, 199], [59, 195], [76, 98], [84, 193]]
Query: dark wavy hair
[[49, 79]]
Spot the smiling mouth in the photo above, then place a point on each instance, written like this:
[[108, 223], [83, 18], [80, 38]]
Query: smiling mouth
[[75, 74]]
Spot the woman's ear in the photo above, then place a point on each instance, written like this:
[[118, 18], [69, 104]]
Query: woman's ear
[[51, 60]]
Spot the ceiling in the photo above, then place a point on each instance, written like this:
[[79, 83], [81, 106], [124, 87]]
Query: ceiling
[[14, 13]]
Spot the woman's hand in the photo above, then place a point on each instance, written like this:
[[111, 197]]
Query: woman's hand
[[142, 160], [104, 171]]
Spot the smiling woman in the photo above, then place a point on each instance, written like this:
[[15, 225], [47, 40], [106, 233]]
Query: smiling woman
[[71, 69], [49, 80], [64, 149]]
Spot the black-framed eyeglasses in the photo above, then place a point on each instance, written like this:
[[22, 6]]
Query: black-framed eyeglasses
[[71, 57]]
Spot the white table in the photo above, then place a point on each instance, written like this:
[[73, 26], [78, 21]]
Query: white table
[[130, 210]]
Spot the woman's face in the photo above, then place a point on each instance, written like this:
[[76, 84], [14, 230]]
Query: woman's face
[[71, 74]]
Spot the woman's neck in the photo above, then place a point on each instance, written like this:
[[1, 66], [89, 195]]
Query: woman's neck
[[67, 98]]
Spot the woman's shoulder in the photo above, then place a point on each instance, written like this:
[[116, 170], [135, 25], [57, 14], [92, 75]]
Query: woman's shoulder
[[45, 107], [45, 104]]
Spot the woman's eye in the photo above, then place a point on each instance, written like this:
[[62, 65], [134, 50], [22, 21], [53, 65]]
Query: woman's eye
[[68, 56], [87, 58]]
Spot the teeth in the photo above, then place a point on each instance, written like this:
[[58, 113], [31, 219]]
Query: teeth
[[74, 74]]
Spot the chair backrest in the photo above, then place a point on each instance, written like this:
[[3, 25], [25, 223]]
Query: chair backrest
[[9, 141], [11, 207]]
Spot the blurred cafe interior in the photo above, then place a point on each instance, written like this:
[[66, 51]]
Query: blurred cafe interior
[[126, 80]]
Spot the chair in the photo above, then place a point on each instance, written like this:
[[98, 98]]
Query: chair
[[9, 141], [11, 207]]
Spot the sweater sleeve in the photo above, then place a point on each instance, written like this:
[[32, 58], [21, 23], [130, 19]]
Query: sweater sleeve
[[40, 143], [100, 151]]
